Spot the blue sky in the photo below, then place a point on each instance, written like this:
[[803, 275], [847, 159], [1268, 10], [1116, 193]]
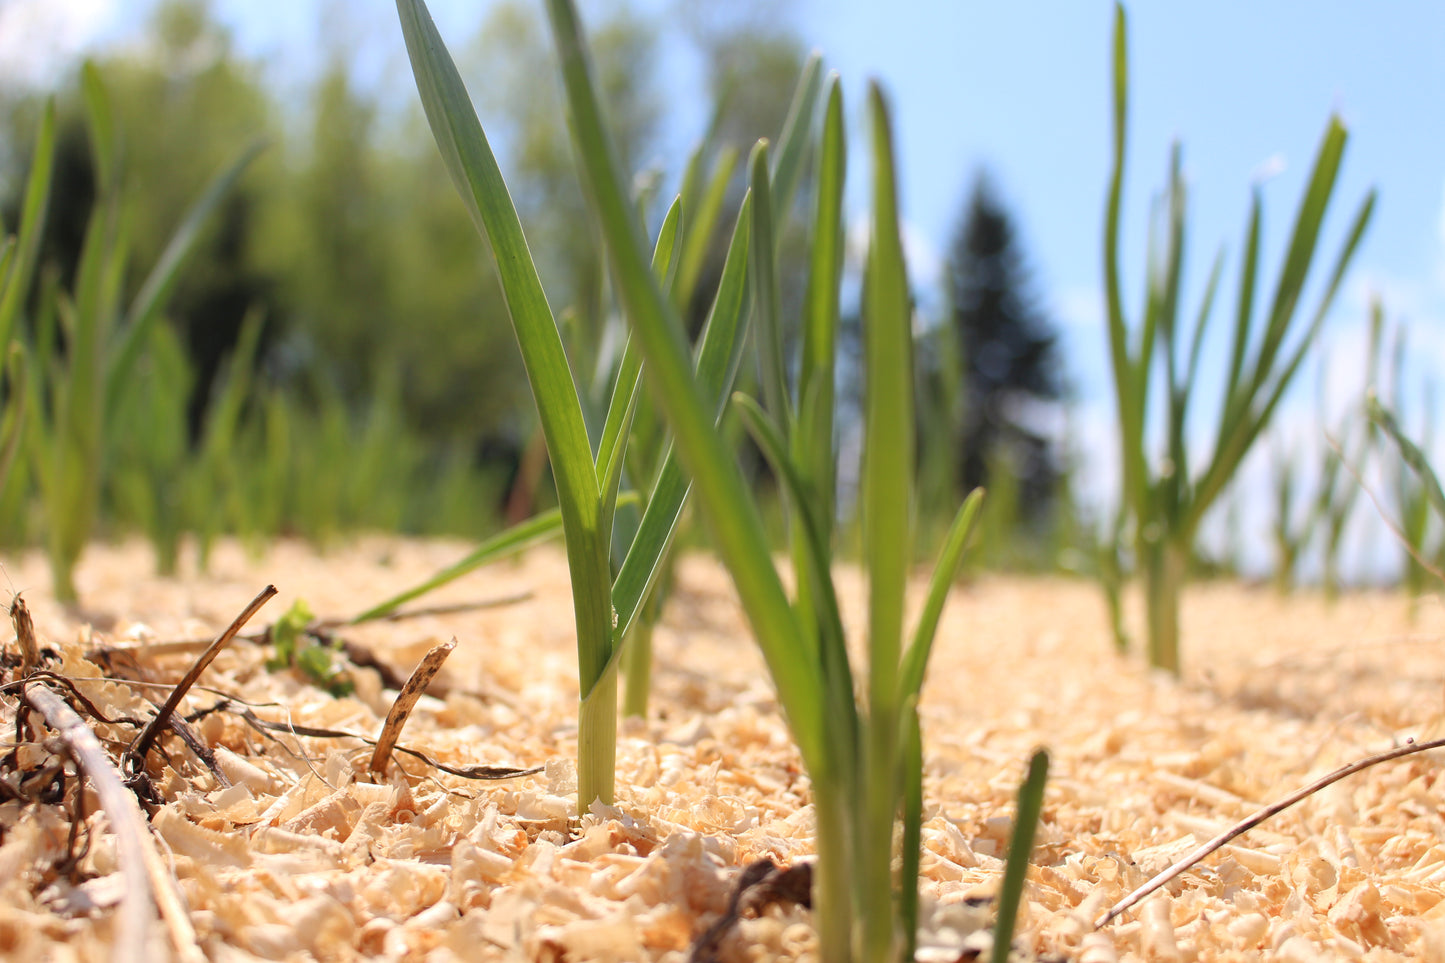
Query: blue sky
[[1023, 89]]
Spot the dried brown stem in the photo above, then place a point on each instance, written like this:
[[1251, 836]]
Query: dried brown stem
[[266, 727], [25, 636], [147, 737], [1244, 826], [405, 701]]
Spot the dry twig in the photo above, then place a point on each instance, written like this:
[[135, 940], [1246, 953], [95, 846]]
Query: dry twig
[[1245, 825], [25, 636], [266, 727], [137, 752], [405, 701]]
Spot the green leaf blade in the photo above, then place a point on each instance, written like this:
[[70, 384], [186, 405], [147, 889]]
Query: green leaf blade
[[1021, 845], [723, 496], [513, 541], [887, 486]]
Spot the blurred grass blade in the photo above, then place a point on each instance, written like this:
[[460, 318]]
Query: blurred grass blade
[[1201, 324], [794, 140], [1303, 242], [13, 423], [820, 330], [20, 268], [1244, 309], [887, 485], [513, 541], [1128, 392], [100, 126], [703, 218], [1410, 453], [767, 300], [915, 660], [156, 291], [1026, 824]]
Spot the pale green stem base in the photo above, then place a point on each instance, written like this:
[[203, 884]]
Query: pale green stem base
[[1166, 567], [597, 745], [833, 908]]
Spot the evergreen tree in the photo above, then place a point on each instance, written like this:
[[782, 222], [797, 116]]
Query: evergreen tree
[[1008, 355]]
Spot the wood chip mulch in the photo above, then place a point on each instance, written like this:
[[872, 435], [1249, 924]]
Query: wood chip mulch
[[264, 823]]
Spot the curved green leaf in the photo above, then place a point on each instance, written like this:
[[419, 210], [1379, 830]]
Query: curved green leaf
[[915, 660], [513, 541], [1026, 824]]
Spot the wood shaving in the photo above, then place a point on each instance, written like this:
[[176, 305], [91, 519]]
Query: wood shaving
[[308, 854]]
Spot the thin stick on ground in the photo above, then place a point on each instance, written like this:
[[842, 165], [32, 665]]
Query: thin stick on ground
[[267, 727], [136, 914], [405, 701], [1239, 829], [143, 742]]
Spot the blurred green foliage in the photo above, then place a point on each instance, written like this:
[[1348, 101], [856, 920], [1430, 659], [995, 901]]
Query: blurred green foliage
[[336, 353]]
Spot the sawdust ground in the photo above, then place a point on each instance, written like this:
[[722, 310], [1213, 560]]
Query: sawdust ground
[[302, 858]]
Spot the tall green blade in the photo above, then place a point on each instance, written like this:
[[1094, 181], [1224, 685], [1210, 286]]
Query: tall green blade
[[724, 498], [887, 485], [1127, 394], [832, 652], [473, 168], [820, 327], [770, 441], [1253, 415]]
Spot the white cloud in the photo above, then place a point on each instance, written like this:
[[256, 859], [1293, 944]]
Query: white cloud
[[40, 39]]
